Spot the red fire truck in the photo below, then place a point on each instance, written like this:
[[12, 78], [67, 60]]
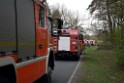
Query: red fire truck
[[26, 53], [67, 43]]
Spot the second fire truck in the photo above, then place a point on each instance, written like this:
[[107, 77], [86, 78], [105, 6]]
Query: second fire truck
[[68, 43]]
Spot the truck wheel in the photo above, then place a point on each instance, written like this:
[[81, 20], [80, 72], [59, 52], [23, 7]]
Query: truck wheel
[[47, 77], [3, 80], [78, 57], [56, 57]]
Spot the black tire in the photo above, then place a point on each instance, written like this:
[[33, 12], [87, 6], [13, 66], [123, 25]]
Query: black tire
[[47, 77], [51, 61], [77, 58], [56, 57], [4, 80]]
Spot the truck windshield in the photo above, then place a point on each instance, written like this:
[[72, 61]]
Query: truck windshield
[[41, 16]]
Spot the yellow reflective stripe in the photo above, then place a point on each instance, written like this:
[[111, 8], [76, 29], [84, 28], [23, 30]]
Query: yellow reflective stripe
[[7, 44], [14, 44], [21, 44]]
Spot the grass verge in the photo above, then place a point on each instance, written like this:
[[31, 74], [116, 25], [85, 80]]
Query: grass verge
[[99, 66]]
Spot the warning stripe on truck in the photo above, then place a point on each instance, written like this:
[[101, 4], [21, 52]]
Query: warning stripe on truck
[[14, 44], [21, 44]]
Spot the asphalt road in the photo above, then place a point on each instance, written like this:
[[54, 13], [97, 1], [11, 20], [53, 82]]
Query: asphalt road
[[63, 70]]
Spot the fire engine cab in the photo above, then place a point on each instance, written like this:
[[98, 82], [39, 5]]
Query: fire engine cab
[[26, 53]]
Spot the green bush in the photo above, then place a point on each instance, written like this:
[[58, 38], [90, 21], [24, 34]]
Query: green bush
[[105, 46], [120, 57]]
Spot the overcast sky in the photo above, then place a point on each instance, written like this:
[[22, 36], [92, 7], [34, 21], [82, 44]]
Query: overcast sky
[[75, 5], [79, 5]]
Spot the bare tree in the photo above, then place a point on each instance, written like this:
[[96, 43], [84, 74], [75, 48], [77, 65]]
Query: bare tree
[[70, 19]]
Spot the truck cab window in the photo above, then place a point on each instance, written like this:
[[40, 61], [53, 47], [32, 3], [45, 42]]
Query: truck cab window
[[41, 17], [49, 26]]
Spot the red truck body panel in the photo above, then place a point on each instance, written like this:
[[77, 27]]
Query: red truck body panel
[[30, 68]]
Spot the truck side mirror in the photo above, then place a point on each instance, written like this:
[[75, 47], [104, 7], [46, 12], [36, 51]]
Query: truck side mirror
[[60, 23], [50, 24], [59, 33]]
